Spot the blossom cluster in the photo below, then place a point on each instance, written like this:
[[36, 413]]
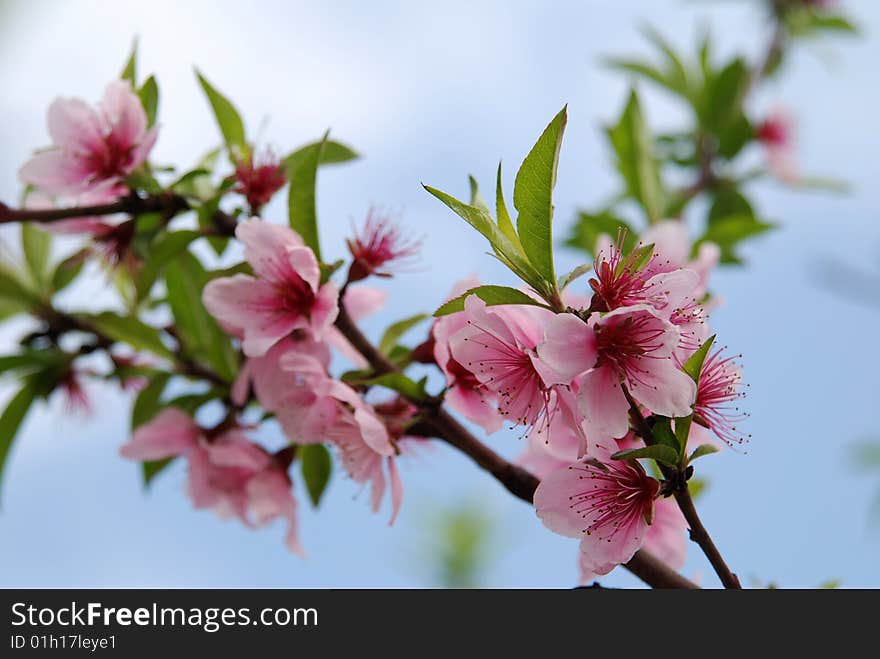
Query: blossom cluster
[[572, 378]]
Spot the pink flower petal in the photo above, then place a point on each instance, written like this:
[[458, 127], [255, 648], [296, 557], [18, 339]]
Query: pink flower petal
[[601, 399], [267, 247], [169, 434], [666, 390], [74, 126], [124, 113], [569, 348], [54, 172]]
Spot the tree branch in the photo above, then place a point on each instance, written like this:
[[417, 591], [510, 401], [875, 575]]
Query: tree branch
[[517, 480], [682, 494], [167, 202]]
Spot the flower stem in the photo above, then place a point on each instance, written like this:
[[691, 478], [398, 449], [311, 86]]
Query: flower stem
[[698, 532]]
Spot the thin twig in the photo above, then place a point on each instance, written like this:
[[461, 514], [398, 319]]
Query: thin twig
[[682, 494]]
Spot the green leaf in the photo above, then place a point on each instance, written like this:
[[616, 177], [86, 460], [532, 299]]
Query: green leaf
[[727, 202], [11, 419], [676, 73], [642, 69], [732, 138], [405, 386], [834, 24], [637, 259], [302, 172], [505, 224], [68, 269], [147, 404], [701, 450], [633, 146], [164, 249], [205, 216], [492, 296], [574, 274], [697, 486], [672, 76], [590, 226], [659, 452], [190, 403], [37, 247], [227, 117], [195, 183], [316, 465], [29, 361], [724, 96], [507, 253], [476, 198], [129, 71], [149, 95], [127, 329], [694, 365], [729, 231], [329, 269], [663, 435], [533, 197], [199, 333], [394, 332], [152, 468], [332, 153]]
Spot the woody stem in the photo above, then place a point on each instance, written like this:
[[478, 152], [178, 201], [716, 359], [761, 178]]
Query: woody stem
[[682, 494]]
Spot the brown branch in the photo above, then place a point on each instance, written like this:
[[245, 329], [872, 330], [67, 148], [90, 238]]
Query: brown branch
[[701, 536], [682, 494], [168, 203], [517, 480], [60, 322]]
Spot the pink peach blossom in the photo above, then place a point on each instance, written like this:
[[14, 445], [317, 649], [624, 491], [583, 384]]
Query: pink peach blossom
[[465, 393], [265, 376], [673, 245], [632, 346], [666, 539], [169, 434], [379, 248], [366, 465], [777, 133], [497, 345], [720, 387], [285, 294], [608, 504], [236, 478], [314, 402], [622, 280], [259, 178], [92, 147]]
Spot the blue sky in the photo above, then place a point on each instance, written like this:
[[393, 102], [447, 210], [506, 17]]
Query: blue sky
[[432, 94]]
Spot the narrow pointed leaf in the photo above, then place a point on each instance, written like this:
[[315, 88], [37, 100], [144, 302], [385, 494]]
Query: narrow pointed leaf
[[701, 450], [659, 452], [11, 419], [394, 332], [302, 172], [228, 119], [533, 197], [492, 296], [316, 465], [149, 95]]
